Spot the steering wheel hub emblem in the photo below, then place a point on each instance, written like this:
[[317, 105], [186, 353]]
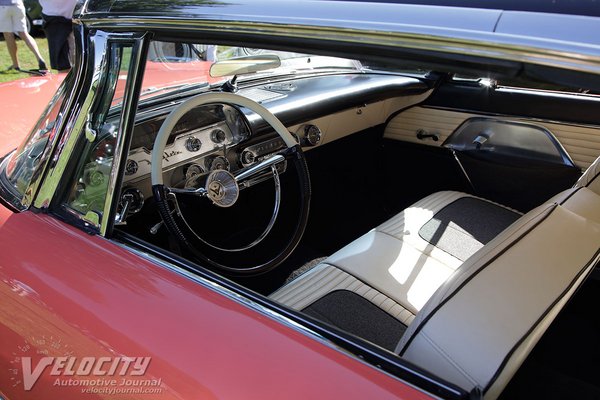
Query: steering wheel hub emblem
[[222, 188]]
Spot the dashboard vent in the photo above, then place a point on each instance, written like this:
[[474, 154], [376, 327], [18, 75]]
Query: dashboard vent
[[260, 95]]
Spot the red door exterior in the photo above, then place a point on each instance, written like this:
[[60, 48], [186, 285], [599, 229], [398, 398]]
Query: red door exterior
[[66, 293]]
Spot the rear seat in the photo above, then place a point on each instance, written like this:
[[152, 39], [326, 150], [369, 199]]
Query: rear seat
[[399, 265]]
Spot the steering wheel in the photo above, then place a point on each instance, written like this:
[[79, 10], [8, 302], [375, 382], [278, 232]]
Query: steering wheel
[[223, 187]]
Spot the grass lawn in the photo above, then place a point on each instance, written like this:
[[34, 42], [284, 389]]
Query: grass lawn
[[26, 59]]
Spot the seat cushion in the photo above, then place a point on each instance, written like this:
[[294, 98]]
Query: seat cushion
[[480, 325], [399, 265]]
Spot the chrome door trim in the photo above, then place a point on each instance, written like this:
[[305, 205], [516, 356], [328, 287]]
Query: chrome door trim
[[126, 125], [37, 186], [78, 117]]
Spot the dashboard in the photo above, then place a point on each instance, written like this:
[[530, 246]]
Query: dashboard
[[219, 136]]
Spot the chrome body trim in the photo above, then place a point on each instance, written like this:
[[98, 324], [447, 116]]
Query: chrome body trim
[[468, 32], [549, 93], [77, 120]]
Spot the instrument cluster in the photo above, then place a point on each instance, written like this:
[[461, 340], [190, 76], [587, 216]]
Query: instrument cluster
[[204, 135]]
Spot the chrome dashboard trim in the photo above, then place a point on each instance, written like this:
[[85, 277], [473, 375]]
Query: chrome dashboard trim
[[177, 154]]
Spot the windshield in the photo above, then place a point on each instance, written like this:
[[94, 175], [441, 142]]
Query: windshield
[[174, 66], [18, 169]]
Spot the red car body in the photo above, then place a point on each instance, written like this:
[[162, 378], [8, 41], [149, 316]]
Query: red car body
[[116, 303]]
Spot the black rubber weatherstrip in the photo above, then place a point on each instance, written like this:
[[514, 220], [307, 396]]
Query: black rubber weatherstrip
[[445, 300], [593, 260]]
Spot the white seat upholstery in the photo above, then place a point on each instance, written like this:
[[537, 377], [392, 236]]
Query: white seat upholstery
[[476, 321], [392, 265], [481, 324]]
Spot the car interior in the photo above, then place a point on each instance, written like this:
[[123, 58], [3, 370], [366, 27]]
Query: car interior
[[449, 219]]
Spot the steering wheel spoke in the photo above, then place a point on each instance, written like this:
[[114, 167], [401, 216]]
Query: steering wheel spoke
[[200, 192], [247, 174]]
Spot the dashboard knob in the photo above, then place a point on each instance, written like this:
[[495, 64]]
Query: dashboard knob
[[247, 158], [218, 136], [193, 144]]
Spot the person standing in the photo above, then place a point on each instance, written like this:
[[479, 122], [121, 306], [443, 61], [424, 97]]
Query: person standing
[[13, 19], [58, 25]]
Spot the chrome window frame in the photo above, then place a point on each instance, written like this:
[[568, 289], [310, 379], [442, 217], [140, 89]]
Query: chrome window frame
[[57, 175]]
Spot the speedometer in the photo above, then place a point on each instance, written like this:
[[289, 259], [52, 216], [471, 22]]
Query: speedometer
[[218, 162]]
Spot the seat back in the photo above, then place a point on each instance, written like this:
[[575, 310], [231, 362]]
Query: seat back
[[480, 325]]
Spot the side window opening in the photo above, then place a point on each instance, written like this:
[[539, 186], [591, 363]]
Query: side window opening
[[88, 191]]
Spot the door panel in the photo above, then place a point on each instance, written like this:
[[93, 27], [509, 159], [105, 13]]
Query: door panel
[[582, 143], [512, 181]]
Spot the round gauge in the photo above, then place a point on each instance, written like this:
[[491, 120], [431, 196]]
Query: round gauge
[[194, 170], [96, 178], [312, 135], [218, 162], [247, 157], [131, 167], [218, 136], [193, 144], [192, 174]]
